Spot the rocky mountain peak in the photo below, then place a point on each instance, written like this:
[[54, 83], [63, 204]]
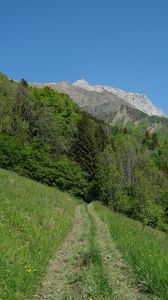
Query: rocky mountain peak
[[82, 83], [139, 101]]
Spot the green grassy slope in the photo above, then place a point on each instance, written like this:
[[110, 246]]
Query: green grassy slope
[[145, 249], [34, 220]]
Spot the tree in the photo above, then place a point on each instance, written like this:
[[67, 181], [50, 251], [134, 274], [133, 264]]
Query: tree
[[23, 110], [101, 136], [85, 148]]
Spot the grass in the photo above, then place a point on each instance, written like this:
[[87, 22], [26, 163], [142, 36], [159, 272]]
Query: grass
[[145, 249], [34, 220]]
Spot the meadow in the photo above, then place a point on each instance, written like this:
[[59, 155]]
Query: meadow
[[34, 219]]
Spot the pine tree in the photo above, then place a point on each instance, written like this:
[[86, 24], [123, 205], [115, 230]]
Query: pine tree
[[85, 148], [101, 136]]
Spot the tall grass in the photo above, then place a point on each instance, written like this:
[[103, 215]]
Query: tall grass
[[145, 249], [34, 220]]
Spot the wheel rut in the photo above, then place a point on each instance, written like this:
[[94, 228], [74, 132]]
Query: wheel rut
[[58, 280]]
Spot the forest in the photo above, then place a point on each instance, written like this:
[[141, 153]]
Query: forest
[[44, 135]]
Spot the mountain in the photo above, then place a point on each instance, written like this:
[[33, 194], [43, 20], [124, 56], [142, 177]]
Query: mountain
[[107, 103], [138, 101]]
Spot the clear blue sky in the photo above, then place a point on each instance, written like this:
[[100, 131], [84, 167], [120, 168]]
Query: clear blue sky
[[122, 43]]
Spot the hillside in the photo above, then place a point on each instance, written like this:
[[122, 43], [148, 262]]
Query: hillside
[[56, 247], [34, 221]]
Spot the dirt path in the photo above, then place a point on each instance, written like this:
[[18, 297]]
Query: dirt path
[[118, 272], [60, 279], [88, 265]]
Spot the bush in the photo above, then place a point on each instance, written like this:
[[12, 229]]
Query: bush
[[70, 177], [10, 154]]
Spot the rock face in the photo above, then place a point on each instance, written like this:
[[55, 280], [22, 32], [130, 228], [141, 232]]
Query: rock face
[[107, 103], [136, 100]]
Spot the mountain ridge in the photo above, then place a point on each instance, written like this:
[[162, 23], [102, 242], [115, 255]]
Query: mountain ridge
[[137, 100], [77, 91], [109, 106]]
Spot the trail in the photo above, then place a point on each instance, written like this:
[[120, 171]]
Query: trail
[[73, 274]]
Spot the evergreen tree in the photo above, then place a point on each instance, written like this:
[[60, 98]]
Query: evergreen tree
[[101, 136], [85, 148]]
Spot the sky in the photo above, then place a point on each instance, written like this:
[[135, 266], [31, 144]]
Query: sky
[[121, 43]]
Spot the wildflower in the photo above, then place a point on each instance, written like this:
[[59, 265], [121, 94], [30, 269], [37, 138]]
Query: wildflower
[[29, 270]]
